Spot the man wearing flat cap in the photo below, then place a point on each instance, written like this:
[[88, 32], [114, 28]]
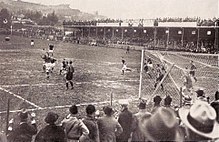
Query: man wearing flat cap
[[51, 132]]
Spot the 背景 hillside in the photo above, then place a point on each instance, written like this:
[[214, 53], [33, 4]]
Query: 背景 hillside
[[62, 10]]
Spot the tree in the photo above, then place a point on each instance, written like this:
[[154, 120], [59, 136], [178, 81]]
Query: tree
[[52, 18]]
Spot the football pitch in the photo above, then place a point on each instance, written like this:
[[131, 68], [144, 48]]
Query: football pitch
[[97, 76]]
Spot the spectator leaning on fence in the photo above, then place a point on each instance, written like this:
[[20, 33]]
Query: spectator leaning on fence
[[74, 128], [51, 132]]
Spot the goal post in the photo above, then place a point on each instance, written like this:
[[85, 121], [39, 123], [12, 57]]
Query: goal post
[[141, 72]]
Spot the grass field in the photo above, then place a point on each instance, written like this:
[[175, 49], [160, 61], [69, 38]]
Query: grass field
[[97, 76]]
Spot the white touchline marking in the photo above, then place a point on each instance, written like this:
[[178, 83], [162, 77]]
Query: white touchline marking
[[19, 97]]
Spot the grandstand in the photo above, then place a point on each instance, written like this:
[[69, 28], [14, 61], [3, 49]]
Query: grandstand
[[184, 36]]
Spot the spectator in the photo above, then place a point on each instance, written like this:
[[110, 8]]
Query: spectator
[[125, 120], [157, 100], [200, 122], [161, 126], [52, 132], [201, 95], [91, 124], [24, 131], [74, 128], [167, 101], [187, 101], [137, 135], [3, 137], [109, 127], [215, 105]]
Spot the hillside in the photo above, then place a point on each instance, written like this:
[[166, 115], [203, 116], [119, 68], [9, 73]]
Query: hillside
[[62, 10]]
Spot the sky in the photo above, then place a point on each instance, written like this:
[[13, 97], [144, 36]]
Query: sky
[[147, 9]]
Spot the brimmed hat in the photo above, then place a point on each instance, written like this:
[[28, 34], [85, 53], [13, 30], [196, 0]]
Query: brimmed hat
[[200, 119], [51, 117], [161, 126]]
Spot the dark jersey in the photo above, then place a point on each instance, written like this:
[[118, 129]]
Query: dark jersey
[[123, 61], [70, 71]]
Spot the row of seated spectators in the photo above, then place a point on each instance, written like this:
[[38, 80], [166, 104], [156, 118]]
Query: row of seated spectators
[[200, 22], [196, 120]]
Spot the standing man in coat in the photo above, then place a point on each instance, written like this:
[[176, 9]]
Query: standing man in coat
[[25, 130], [137, 135], [91, 123], [125, 119], [51, 132]]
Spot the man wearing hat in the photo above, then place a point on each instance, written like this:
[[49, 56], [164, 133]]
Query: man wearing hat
[[24, 131], [51, 132], [200, 122], [125, 119], [161, 126], [137, 135]]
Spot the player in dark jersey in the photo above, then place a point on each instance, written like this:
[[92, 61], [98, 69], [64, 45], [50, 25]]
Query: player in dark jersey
[[192, 69], [160, 74], [69, 75], [146, 68], [127, 49]]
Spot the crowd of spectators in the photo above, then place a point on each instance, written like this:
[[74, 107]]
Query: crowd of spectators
[[198, 20], [196, 120]]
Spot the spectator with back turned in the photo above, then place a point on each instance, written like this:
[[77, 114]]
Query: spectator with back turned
[[137, 135], [125, 120], [215, 105], [75, 129], [91, 123], [109, 127], [51, 132]]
